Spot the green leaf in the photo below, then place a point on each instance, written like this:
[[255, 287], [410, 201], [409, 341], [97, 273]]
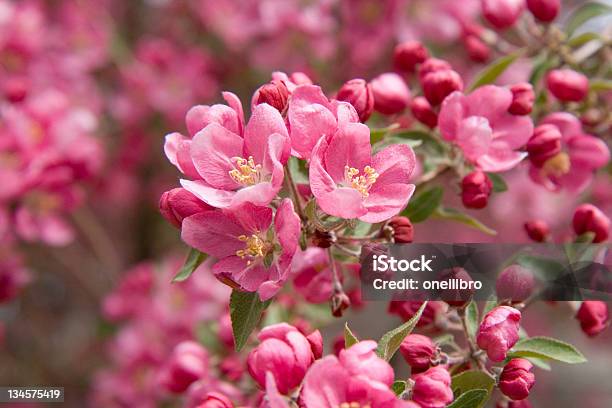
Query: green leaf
[[452, 214], [472, 380], [444, 339], [582, 39], [376, 135], [390, 342], [349, 337], [540, 68], [471, 319], [470, 399], [547, 269], [584, 14], [600, 85], [547, 348], [245, 311], [399, 387], [538, 362], [499, 184], [298, 170], [491, 72], [194, 259], [424, 204]]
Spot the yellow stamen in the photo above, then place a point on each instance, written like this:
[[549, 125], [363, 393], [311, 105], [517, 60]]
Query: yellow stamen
[[245, 171], [557, 165], [254, 247], [361, 183]]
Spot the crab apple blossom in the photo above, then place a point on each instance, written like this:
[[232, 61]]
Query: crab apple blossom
[[422, 111], [476, 188], [544, 144], [215, 400], [432, 65], [407, 55], [477, 49], [480, 124], [391, 95], [437, 85], [418, 351], [188, 363], [274, 93], [567, 85], [357, 377], [432, 388], [523, 98], [402, 229], [502, 14], [406, 310], [588, 218], [515, 283], [544, 10], [253, 254], [517, 379], [358, 93], [284, 352], [177, 204], [537, 230], [498, 332], [594, 317]]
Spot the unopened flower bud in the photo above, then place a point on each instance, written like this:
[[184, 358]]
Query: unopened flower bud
[[177, 204], [588, 218], [391, 95], [15, 89], [517, 379], [593, 316], [537, 230], [567, 85], [403, 231], [188, 363], [418, 350], [456, 297], [515, 283], [358, 93], [274, 93], [422, 111], [544, 144], [432, 65], [323, 239], [339, 303], [476, 188], [438, 85], [522, 99], [477, 50], [544, 10], [408, 54], [432, 388], [215, 400], [498, 332], [502, 13]]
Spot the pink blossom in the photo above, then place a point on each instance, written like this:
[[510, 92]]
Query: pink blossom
[[498, 332], [391, 94], [517, 379], [349, 183], [581, 155], [188, 363], [284, 352], [481, 126], [357, 376], [313, 275], [252, 254], [432, 388]]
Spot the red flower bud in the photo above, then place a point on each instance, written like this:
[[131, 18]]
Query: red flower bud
[[391, 95], [544, 10], [178, 204], [339, 303], [358, 93], [477, 50], [544, 144], [517, 379], [438, 85], [422, 111], [407, 309], [537, 230], [408, 54], [188, 363], [567, 85], [502, 13], [519, 404], [498, 332], [432, 65], [522, 99], [432, 388], [418, 351], [403, 231], [15, 89], [476, 188], [588, 218], [215, 400], [593, 316], [515, 283], [274, 93]]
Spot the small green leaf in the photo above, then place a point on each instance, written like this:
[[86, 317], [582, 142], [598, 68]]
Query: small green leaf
[[472, 380], [547, 348], [547, 269], [423, 205], [491, 72], [376, 135], [390, 342], [349, 337], [452, 214], [538, 362], [600, 85], [298, 170], [584, 13], [499, 184], [471, 319], [194, 259], [399, 387], [245, 311], [470, 399], [582, 39], [540, 68]]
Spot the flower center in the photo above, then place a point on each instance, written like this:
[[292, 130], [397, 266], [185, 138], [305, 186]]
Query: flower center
[[245, 171], [557, 166], [363, 182], [353, 405], [254, 247]]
